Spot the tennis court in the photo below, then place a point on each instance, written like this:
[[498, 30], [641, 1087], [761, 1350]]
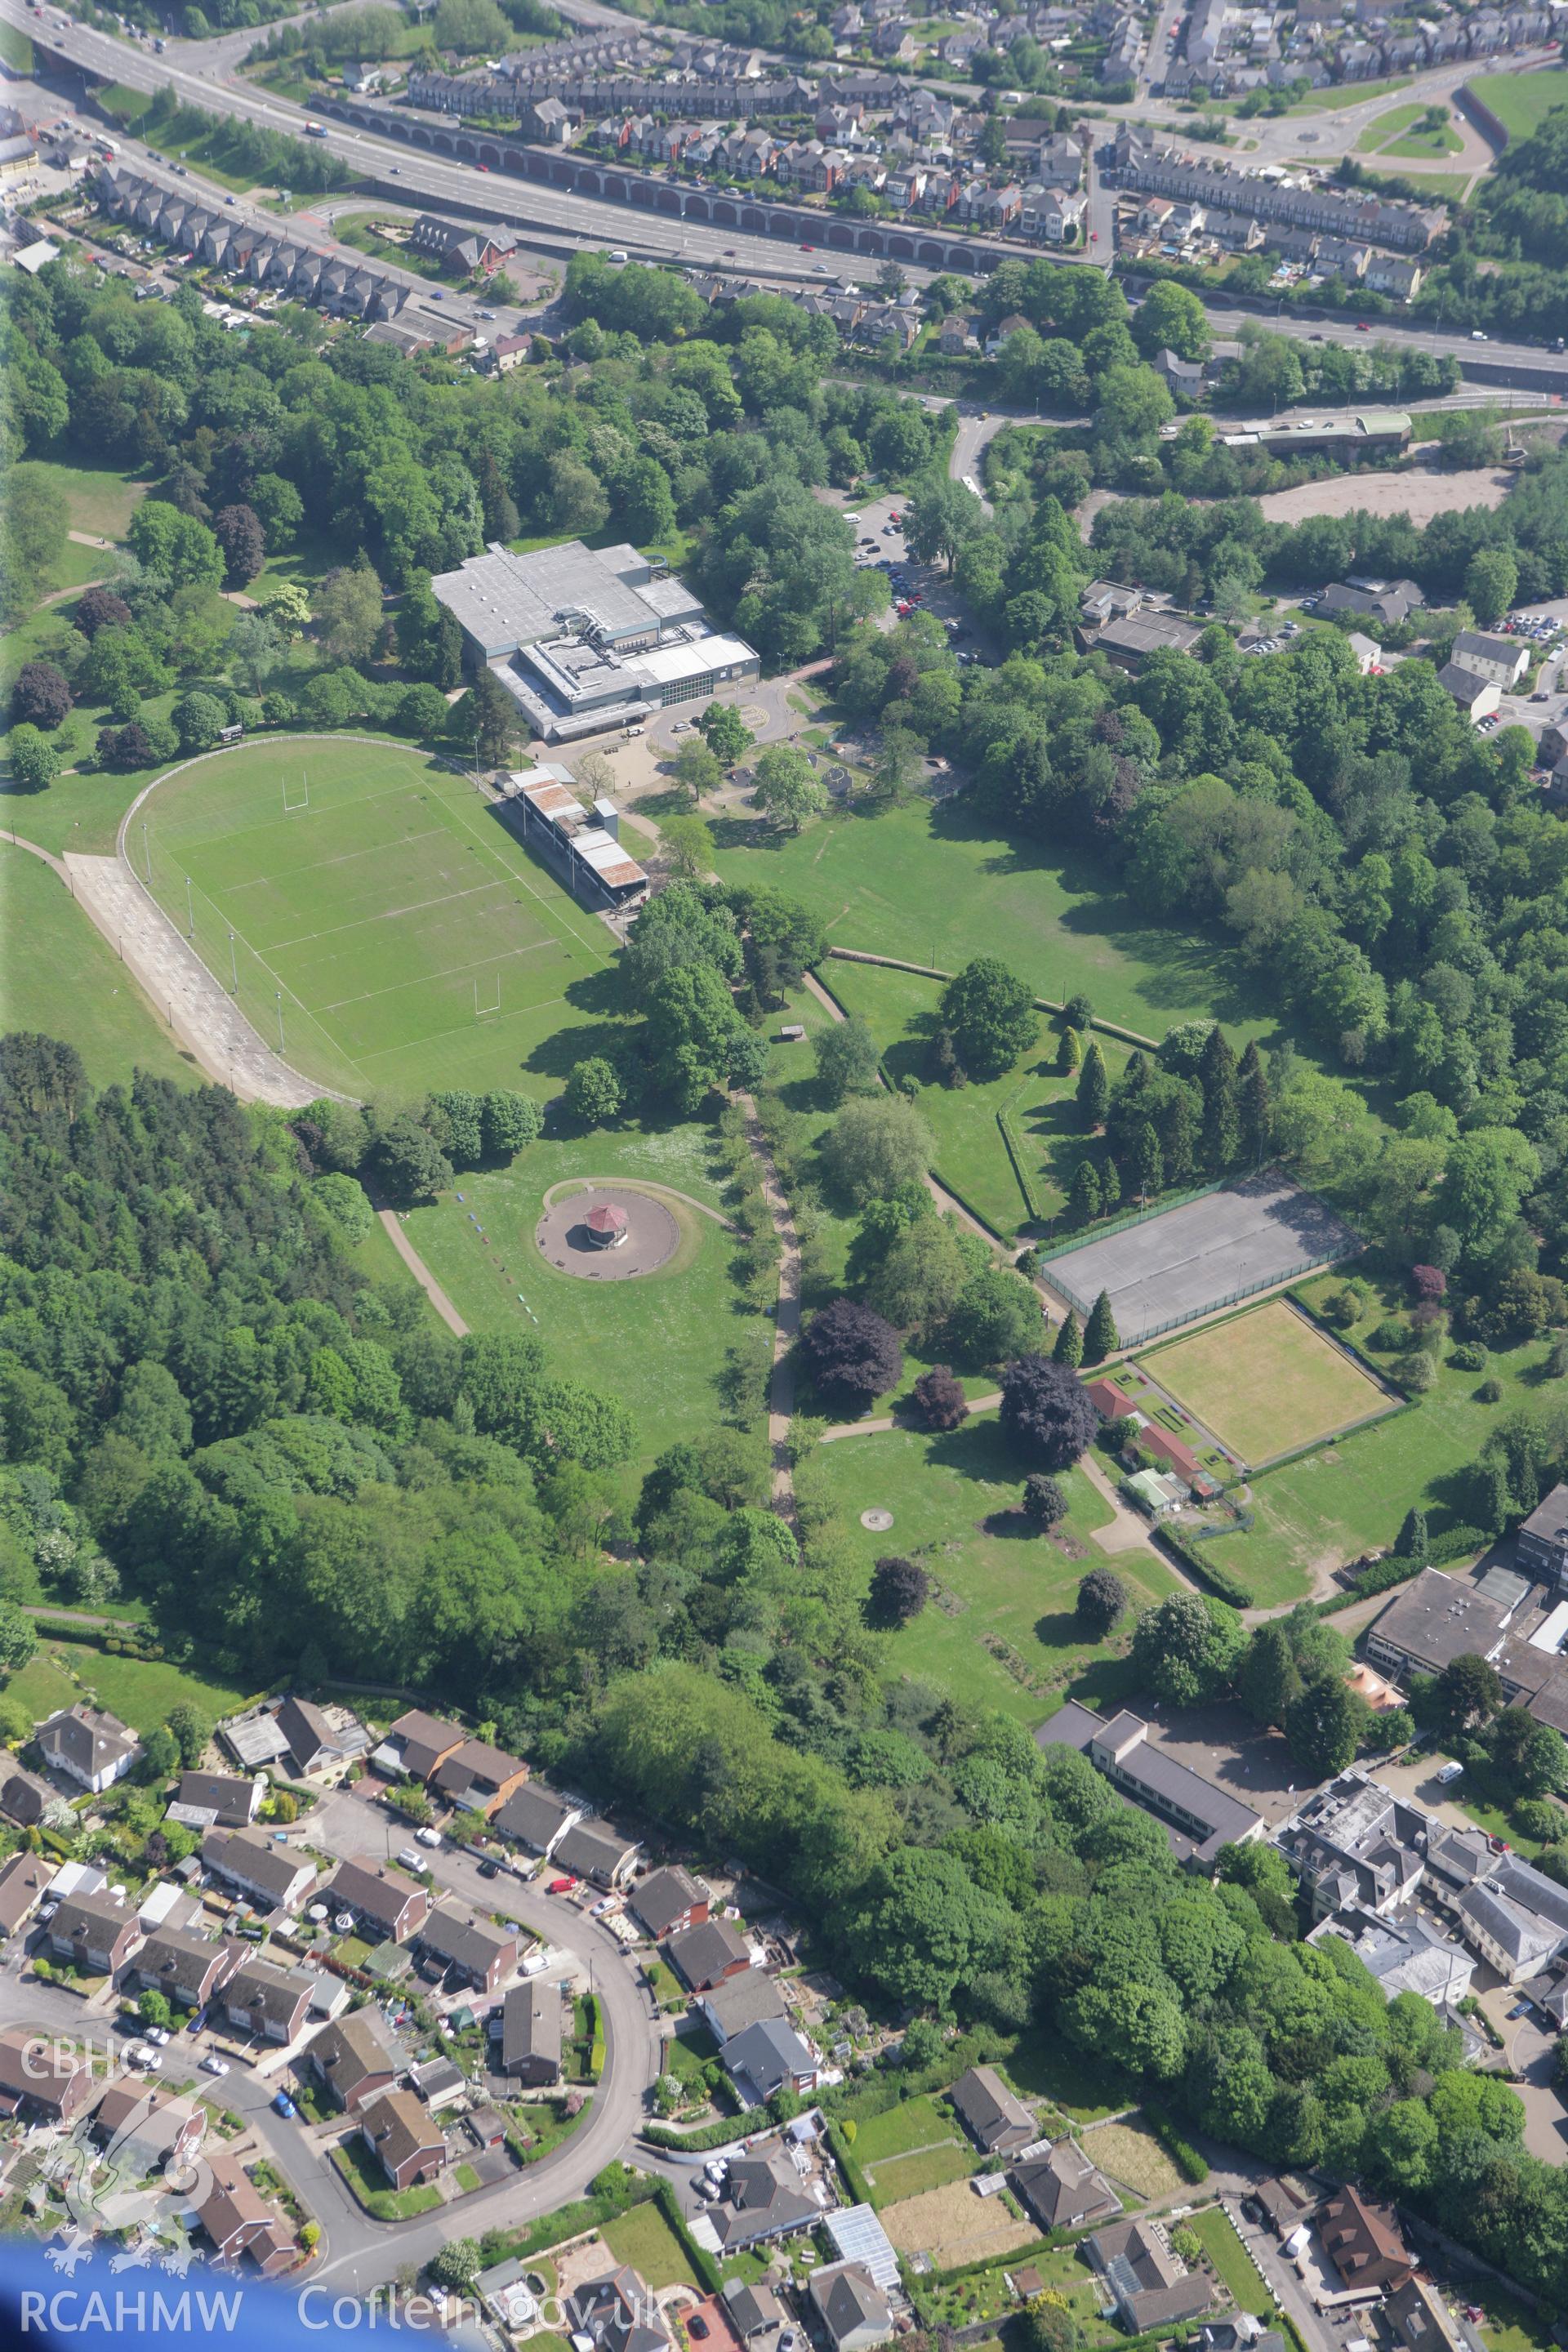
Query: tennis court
[[1168, 1268], [371, 908]]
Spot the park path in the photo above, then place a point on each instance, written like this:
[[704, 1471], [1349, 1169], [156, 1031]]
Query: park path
[[787, 1318], [421, 1273]]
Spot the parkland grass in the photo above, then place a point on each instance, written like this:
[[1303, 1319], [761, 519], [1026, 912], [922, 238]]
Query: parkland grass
[[902, 1012], [388, 913], [1001, 1630], [64, 977], [1522, 102], [1331, 1505], [1267, 1381], [930, 883], [101, 497], [658, 1342]]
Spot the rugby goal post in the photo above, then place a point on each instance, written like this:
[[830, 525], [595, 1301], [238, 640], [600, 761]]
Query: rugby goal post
[[293, 808], [481, 1010]]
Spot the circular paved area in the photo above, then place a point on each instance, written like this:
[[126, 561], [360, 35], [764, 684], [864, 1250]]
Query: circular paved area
[[878, 1521], [653, 1236]]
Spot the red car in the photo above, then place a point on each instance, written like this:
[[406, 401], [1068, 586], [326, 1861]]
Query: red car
[[562, 1885], [808, 248]]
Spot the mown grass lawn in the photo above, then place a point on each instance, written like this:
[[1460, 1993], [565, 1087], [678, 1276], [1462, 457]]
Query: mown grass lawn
[[1215, 2233], [898, 2177], [643, 2239], [368, 2181], [70, 983], [1004, 1632], [140, 1692], [658, 1342], [101, 497], [1349, 1497], [915, 2123], [930, 883], [1522, 102], [903, 1014]]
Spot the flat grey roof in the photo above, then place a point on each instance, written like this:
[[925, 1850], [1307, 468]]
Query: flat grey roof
[[504, 600], [1440, 1617], [1172, 1267]]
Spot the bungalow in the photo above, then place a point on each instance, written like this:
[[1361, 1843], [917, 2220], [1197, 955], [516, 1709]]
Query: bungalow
[[262, 1869], [480, 1952], [94, 1933], [477, 1777], [386, 1902], [594, 1849], [765, 2199], [417, 1743], [528, 2025], [995, 2116], [1150, 2284], [755, 2313], [765, 2059], [353, 2059], [534, 1816], [223, 1800], [39, 2074], [23, 1879], [89, 1747], [239, 2220], [854, 2311], [1063, 2189], [143, 2128], [705, 1956], [668, 1901], [270, 2003], [400, 2134], [314, 1747], [185, 1967]]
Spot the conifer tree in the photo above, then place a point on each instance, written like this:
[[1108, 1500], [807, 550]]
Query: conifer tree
[[1070, 1053], [1254, 1110], [1100, 1337], [1093, 1086], [1083, 1201], [1222, 1126], [1068, 1349]]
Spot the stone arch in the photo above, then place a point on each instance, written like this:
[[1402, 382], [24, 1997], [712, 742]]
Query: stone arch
[[695, 208], [421, 136], [841, 236], [667, 200], [443, 145], [491, 156], [901, 248], [645, 196], [962, 259], [751, 217]]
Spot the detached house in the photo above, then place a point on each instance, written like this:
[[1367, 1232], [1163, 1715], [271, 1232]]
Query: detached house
[[995, 2116], [407, 2144], [705, 1956], [239, 2220], [219, 1800], [353, 2059], [89, 1747], [528, 2029], [417, 1743], [535, 1817], [668, 1901]]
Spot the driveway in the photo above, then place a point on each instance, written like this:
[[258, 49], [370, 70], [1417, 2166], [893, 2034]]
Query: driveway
[[1531, 2054]]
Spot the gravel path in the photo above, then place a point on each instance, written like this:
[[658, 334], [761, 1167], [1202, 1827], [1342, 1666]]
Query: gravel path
[[202, 1015]]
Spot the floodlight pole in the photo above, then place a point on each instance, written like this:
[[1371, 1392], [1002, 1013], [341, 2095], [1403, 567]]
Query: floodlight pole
[[189, 912], [232, 963], [279, 996], [146, 853]]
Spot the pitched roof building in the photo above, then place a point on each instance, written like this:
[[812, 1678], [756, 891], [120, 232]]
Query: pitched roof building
[[269, 2001], [1063, 2189], [223, 1800], [41, 2075], [483, 1954], [479, 1776], [853, 2311], [995, 2116], [147, 2128], [765, 2198], [91, 1747], [185, 1967], [1362, 2241], [417, 1743], [740, 2000], [535, 1816], [260, 1868], [94, 1933], [409, 2146], [668, 1901], [354, 2058], [704, 1957], [390, 1903], [1150, 2284], [530, 2032]]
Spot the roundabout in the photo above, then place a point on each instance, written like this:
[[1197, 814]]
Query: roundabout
[[606, 1233]]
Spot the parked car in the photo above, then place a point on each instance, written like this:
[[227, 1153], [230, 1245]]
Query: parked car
[[213, 2064], [561, 1885], [428, 1836], [284, 2105], [411, 1858], [490, 1869]]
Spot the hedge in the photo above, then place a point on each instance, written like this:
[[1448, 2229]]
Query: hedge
[[709, 2278], [859, 2187], [1218, 1580], [1182, 2153], [697, 2143], [587, 2213]]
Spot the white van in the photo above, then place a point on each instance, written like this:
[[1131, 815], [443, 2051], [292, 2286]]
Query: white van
[[1449, 1774], [617, 256]]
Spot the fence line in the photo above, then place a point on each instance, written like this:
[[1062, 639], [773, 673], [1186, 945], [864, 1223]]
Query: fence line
[[1214, 1306], [1041, 1003], [1129, 1217]]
